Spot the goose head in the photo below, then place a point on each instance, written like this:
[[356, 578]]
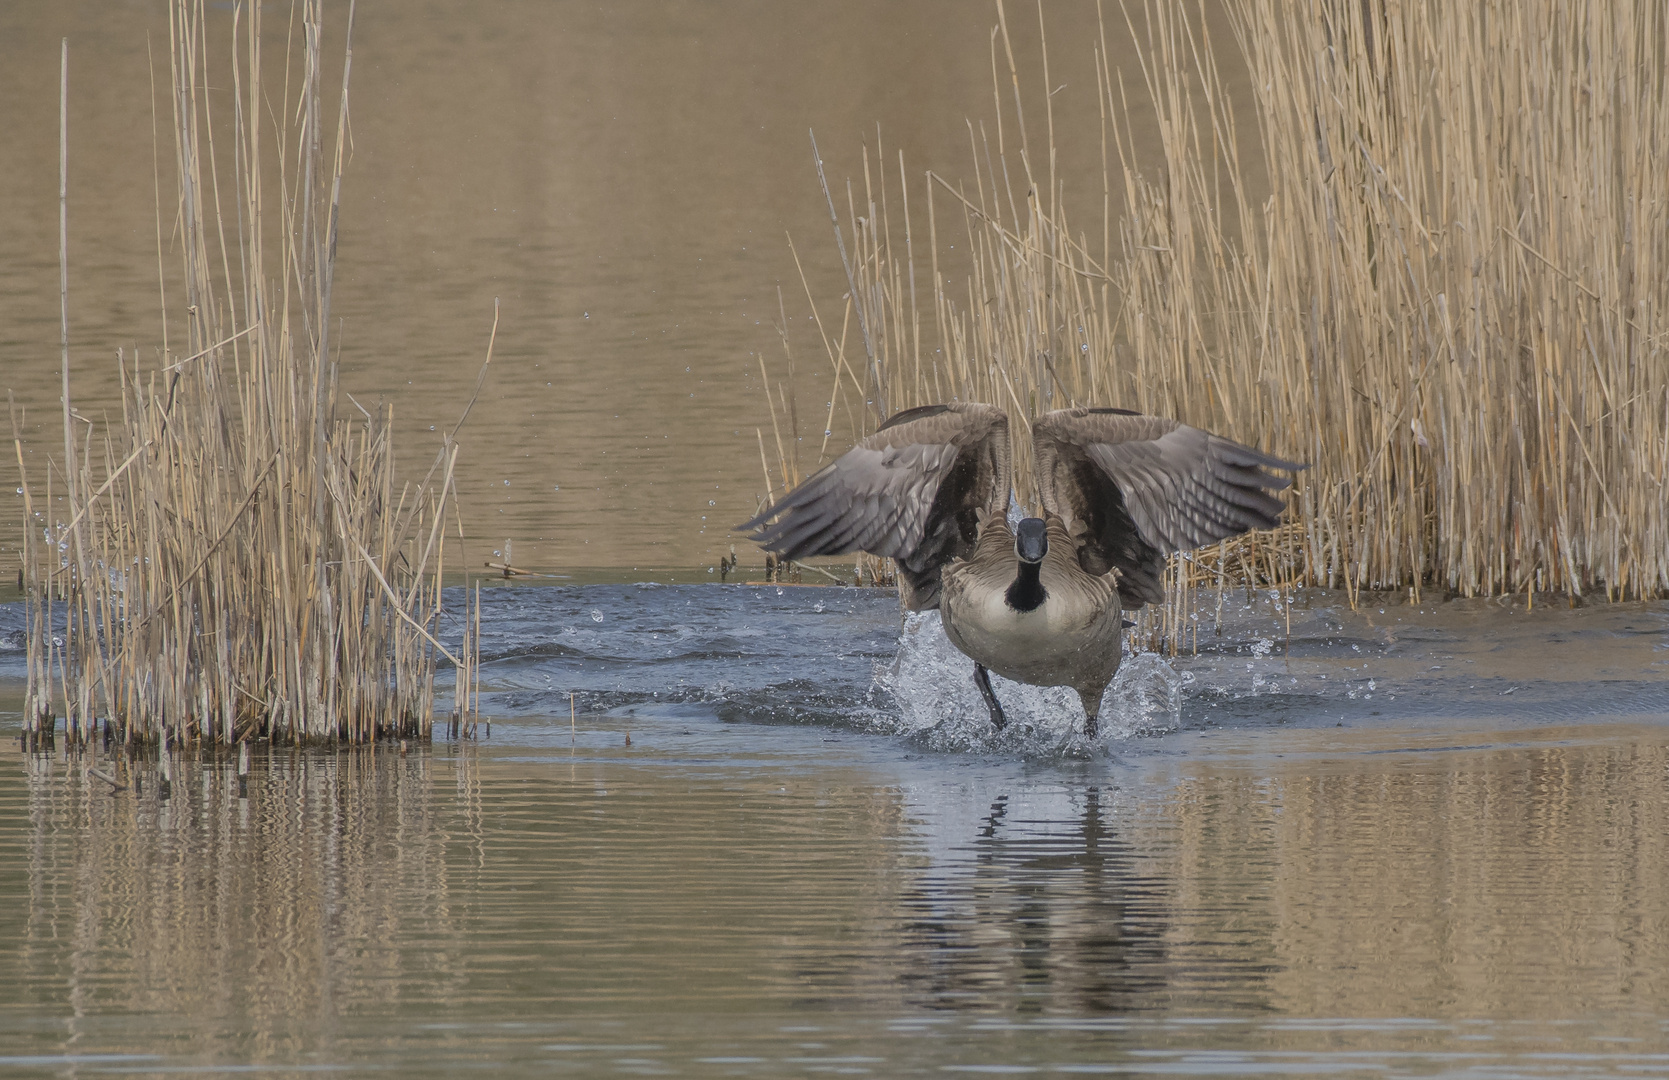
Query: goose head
[[1031, 540], [1031, 543]]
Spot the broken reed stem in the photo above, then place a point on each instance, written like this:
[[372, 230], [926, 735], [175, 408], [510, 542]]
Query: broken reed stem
[[247, 567], [1454, 301]]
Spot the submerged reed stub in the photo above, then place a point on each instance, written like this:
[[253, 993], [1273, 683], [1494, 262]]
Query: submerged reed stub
[[237, 557]]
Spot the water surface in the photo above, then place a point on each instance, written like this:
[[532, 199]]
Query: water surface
[[1411, 842], [622, 177]]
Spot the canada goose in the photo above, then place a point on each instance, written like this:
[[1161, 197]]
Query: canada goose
[[1042, 604]]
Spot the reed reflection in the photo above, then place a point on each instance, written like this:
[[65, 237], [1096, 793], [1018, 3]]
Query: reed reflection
[[445, 884], [1407, 875], [262, 918], [357, 900]]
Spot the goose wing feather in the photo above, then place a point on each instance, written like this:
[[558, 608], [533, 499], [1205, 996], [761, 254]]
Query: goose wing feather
[[1145, 486], [910, 492]]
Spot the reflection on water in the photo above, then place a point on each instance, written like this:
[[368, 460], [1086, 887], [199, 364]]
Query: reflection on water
[[1058, 922], [1359, 903], [779, 875]]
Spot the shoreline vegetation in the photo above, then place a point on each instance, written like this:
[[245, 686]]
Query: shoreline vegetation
[[232, 557], [1454, 302]]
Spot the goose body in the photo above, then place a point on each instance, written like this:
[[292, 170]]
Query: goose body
[[1042, 603], [1072, 635]]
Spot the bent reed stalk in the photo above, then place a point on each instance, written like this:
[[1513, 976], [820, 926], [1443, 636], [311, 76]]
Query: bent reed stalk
[[1454, 301], [237, 559]]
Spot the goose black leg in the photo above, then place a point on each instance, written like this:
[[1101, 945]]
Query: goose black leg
[[982, 679], [1091, 699]]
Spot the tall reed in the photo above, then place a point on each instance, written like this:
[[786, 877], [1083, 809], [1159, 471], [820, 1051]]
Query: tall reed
[[1454, 301], [238, 558]]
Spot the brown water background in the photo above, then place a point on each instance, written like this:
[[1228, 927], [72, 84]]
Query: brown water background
[[622, 177]]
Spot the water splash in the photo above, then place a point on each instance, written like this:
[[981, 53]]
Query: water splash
[[1145, 697], [931, 685]]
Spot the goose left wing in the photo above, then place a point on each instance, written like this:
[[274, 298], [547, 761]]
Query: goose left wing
[[1145, 486], [912, 492]]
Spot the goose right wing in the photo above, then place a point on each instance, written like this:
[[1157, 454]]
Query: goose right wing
[[1145, 486], [911, 492]]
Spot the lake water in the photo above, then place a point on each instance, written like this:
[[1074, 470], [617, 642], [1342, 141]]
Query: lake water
[[623, 177], [1402, 841]]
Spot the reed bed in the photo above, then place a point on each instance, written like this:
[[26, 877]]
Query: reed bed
[[236, 558], [1454, 301]]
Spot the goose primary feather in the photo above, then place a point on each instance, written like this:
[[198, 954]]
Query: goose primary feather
[[1043, 603]]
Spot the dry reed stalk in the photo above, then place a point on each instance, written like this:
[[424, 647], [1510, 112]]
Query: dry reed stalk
[[249, 566], [1454, 301]]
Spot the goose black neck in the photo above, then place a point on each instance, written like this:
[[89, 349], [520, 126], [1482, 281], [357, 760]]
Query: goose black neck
[[1026, 592]]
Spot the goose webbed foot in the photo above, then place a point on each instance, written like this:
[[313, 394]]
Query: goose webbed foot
[[982, 679]]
